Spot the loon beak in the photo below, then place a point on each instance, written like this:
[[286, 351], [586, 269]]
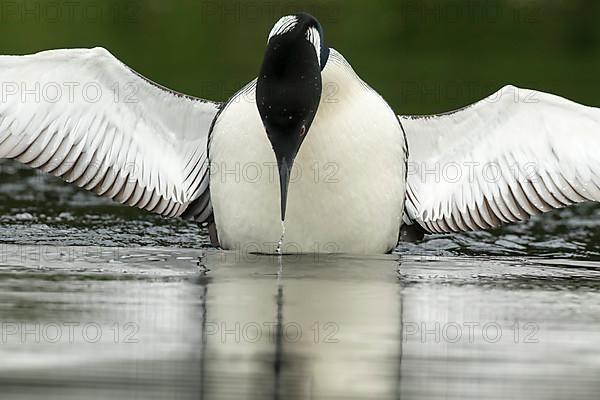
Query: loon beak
[[284, 165]]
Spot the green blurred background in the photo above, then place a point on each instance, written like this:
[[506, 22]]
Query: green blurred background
[[423, 56]]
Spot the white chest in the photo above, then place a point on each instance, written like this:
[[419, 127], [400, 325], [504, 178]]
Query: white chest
[[346, 193]]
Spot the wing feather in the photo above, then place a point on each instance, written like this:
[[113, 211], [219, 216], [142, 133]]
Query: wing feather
[[520, 153], [148, 152]]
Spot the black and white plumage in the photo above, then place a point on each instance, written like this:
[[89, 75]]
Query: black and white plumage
[[364, 172], [147, 151], [516, 154]]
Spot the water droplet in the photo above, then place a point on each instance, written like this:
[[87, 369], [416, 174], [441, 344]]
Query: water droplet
[[280, 244]]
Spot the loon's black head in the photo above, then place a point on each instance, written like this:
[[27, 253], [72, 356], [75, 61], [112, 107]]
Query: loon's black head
[[288, 90]]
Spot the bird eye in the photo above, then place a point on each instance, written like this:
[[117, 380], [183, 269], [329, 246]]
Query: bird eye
[[303, 130]]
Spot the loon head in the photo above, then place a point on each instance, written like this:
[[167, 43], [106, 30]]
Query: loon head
[[289, 86]]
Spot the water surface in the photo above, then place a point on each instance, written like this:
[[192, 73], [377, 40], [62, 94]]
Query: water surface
[[99, 301]]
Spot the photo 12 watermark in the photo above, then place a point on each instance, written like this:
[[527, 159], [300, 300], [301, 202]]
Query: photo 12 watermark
[[68, 332], [271, 332], [255, 172], [471, 332], [472, 172], [469, 11], [53, 254], [68, 92], [54, 12], [453, 91]]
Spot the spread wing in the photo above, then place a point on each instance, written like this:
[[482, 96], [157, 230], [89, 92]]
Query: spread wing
[[84, 116], [515, 154]]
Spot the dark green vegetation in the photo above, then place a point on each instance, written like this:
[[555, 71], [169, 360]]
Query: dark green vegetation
[[423, 56]]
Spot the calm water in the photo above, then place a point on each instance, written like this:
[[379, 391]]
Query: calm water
[[98, 301]]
